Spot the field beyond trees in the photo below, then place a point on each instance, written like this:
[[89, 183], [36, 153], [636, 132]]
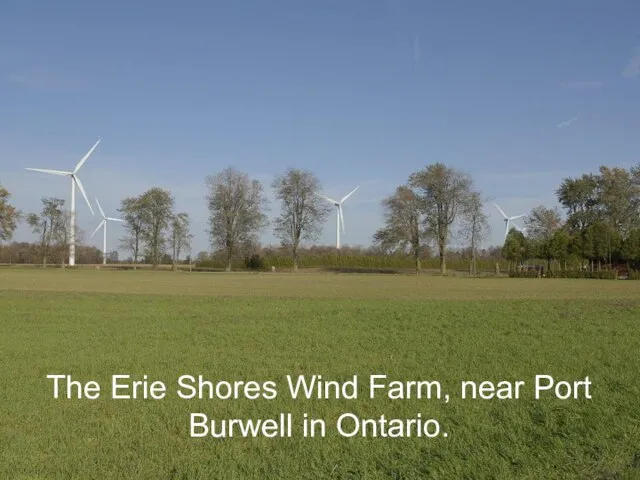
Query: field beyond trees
[[240, 326]]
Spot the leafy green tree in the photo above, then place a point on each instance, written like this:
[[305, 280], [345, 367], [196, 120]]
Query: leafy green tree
[[516, 248], [618, 197], [157, 211], [579, 197], [133, 216], [541, 225], [9, 215], [558, 246], [631, 247]]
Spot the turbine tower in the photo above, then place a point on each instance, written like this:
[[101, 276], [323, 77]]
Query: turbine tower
[[339, 215], [74, 181], [507, 220], [103, 223]]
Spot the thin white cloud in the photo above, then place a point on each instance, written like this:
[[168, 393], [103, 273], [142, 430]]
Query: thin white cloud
[[566, 123], [583, 85], [633, 67]]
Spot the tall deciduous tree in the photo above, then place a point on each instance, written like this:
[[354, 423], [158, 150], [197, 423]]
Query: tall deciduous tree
[[157, 212], [516, 248], [579, 197], [475, 226], [9, 216], [302, 212], [49, 225], [443, 192], [133, 216], [236, 211], [180, 236], [618, 197], [541, 224], [404, 224]]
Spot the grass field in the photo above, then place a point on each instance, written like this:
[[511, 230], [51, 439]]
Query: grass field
[[92, 324]]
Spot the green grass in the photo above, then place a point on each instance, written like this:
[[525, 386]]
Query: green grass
[[93, 324]]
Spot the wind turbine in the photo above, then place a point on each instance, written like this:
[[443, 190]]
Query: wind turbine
[[339, 215], [103, 223], [74, 181], [507, 220]]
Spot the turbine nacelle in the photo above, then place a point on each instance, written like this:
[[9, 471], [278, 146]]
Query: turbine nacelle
[[507, 220], [103, 225], [339, 214], [75, 182]]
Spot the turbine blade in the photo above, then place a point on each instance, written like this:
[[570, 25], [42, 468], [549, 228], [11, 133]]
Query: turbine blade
[[114, 219], [349, 194], [518, 216], [503, 214], [96, 230], [327, 198], [52, 172], [84, 194], [100, 208], [87, 155]]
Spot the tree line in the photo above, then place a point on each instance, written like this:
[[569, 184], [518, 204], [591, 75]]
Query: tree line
[[600, 224]]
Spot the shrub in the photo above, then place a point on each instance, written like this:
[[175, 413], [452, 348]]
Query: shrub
[[523, 274], [601, 275], [634, 275], [254, 262]]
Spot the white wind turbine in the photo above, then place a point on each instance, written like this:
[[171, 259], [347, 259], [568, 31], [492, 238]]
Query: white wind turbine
[[339, 215], [74, 181], [103, 223], [508, 220]]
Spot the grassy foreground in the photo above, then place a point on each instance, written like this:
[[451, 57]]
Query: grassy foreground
[[261, 327]]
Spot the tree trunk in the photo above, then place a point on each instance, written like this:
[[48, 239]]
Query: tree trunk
[[295, 259], [229, 257], [418, 266], [443, 262]]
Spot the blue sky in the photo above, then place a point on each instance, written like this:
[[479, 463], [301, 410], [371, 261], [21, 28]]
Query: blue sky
[[520, 94]]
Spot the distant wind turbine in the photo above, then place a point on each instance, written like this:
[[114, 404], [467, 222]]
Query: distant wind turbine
[[339, 214], [74, 181], [103, 223], [507, 220]]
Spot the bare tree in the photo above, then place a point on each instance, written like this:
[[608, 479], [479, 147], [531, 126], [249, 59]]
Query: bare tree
[[302, 212], [180, 236], [404, 224], [475, 226], [443, 192], [236, 211], [47, 225]]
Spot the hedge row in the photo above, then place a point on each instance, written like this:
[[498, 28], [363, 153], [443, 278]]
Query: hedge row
[[349, 261], [601, 275]]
